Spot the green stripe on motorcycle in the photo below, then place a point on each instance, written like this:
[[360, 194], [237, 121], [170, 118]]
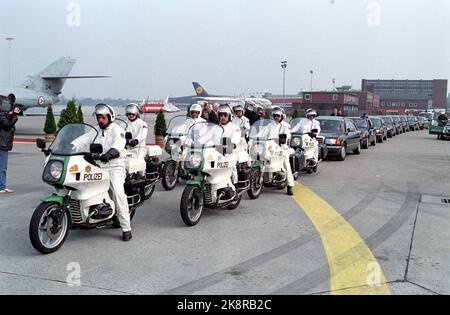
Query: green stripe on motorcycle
[[57, 199], [194, 182]]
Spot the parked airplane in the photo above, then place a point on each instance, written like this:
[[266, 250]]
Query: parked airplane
[[155, 108], [42, 89], [203, 95]]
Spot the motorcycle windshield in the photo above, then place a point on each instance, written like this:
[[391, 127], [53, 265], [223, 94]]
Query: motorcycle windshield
[[264, 129], [74, 139], [178, 126], [300, 125], [121, 123], [204, 134]]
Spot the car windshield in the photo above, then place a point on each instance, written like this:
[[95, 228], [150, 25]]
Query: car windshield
[[411, 119], [262, 129], [331, 125], [376, 122], [360, 122], [74, 139], [387, 121]]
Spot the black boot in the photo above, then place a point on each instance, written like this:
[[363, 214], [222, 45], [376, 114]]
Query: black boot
[[126, 236], [289, 191]]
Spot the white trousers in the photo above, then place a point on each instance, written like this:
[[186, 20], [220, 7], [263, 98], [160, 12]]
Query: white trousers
[[117, 175]]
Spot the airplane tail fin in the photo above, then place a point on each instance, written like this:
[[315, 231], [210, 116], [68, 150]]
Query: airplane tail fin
[[49, 80], [200, 90], [52, 79]]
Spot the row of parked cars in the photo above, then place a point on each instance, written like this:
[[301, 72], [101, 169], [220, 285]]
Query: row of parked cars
[[340, 135]]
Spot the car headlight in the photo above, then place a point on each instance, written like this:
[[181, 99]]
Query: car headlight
[[53, 171], [195, 161], [330, 141], [296, 142]]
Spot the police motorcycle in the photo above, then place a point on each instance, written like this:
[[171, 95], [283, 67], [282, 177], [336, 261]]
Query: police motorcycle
[[173, 142], [302, 141], [206, 160], [268, 156], [81, 198]]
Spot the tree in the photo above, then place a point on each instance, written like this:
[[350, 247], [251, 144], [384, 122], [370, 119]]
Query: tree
[[160, 124], [80, 115], [50, 123], [295, 114], [68, 115]]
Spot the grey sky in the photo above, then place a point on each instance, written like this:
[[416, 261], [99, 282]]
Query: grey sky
[[158, 47]]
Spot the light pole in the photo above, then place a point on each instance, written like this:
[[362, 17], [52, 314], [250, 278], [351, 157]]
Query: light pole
[[9, 39], [334, 81], [284, 66], [311, 87]]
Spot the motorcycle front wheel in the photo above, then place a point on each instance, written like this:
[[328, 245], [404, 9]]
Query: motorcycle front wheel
[[48, 227], [169, 175], [256, 185], [191, 208]]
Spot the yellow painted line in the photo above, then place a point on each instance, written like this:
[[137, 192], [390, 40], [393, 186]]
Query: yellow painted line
[[353, 267]]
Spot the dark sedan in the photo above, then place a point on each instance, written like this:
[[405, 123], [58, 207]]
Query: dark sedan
[[368, 134], [342, 136], [398, 124], [413, 123], [391, 129], [380, 129], [405, 124]]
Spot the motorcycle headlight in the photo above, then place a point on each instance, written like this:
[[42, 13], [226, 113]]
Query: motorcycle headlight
[[53, 171], [258, 148], [195, 161], [296, 142], [330, 141]]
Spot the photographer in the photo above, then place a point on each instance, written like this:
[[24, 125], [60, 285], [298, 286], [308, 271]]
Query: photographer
[[7, 129]]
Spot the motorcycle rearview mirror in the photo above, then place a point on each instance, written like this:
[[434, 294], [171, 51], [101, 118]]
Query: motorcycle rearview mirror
[[128, 136], [282, 138], [96, 148], [40, 143]]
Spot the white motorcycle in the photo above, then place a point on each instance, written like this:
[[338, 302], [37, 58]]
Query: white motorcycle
[[267, 155], [206, 160], [176, 135], [82, 196], [306, 148]]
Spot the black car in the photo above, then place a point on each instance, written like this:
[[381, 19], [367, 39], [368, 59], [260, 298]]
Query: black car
[[398, 124], [368, 135], [413, 123], [405, 123], [341, 136], [391, 129], [380, 130]]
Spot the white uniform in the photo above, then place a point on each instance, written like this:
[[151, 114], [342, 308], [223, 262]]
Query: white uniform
[[273, 130], [112, 137], [233, 132], [305, 126], [243, 122], [139, 130]]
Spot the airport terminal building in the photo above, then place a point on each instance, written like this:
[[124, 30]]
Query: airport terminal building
[[400, 96]]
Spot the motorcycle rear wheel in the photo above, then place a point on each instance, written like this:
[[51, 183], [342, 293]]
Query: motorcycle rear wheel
[[190, 207]]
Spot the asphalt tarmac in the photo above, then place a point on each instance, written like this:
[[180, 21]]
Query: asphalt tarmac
[[388, 200]]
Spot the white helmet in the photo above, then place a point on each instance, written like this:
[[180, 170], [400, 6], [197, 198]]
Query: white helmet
[[278, 111], [132, 108], [311, 112], [238, 108], [225, 109], [196, 108], [105, 110]]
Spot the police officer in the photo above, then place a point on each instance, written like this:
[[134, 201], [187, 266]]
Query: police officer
[[307, 126], [112, 137], [138, 129], [240, 120], [232, 132]]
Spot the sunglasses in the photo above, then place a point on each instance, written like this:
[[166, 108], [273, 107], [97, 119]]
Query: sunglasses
[[223, 114], [274, 116]]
